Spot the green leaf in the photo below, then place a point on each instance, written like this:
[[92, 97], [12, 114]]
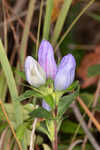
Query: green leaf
[[70, 127], [43, 130], [47, 20], [51, 129], [23, 133], [20, 131], [72, 87], [3, 125], [94, 70], [65, 102], [29, 107], [39, 140], [87, 98], [97, 108], [28, 94], [40, 113], [10, 111], [49, 100], [46, 147], [21, 74]]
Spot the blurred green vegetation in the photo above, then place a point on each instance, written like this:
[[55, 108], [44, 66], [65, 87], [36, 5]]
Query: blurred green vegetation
[[19, 32]]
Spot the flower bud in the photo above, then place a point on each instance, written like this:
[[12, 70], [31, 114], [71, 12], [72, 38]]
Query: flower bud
[[34, 72], [46, 59], [66, 72], [45, 105]]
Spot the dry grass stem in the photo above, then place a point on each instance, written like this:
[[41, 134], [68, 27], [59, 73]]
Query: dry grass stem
[[93, 111], [84, 126], [74, 144], [95, 122], [32, 134]]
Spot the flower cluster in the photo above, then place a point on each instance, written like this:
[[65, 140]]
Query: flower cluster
[[37, 72]]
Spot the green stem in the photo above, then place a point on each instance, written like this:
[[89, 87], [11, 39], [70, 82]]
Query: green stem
[[55, 143]]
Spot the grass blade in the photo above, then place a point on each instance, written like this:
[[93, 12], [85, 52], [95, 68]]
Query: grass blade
[[73, 23], [39, 25], [61, 20], [26, 31], [3, 86], [94, 16], [8, 72], [11, 84], [47, 20]]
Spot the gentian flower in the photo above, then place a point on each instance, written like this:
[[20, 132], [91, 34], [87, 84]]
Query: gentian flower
[[64, 76], [35, 75], [46, 59], [66, 72]]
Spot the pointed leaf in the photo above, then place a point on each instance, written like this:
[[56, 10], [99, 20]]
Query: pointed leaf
[[40, 113], [65, 102], [28, 94]]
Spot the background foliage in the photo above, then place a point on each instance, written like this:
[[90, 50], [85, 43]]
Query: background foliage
[[72, 26]]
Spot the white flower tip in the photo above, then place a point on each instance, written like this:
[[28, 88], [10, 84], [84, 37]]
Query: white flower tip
[[34, 73]]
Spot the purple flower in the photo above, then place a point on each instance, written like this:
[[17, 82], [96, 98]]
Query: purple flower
[[46, 59], [65, 73], [45, 105], [34, 72]]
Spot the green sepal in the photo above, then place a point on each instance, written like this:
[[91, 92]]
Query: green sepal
[[47, 93], [72, 87]]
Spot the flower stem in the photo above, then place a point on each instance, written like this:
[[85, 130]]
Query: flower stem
[[55, 142]]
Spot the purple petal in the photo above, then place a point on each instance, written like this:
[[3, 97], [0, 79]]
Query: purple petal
[[46, 59], [45, 105], [66, 72]]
